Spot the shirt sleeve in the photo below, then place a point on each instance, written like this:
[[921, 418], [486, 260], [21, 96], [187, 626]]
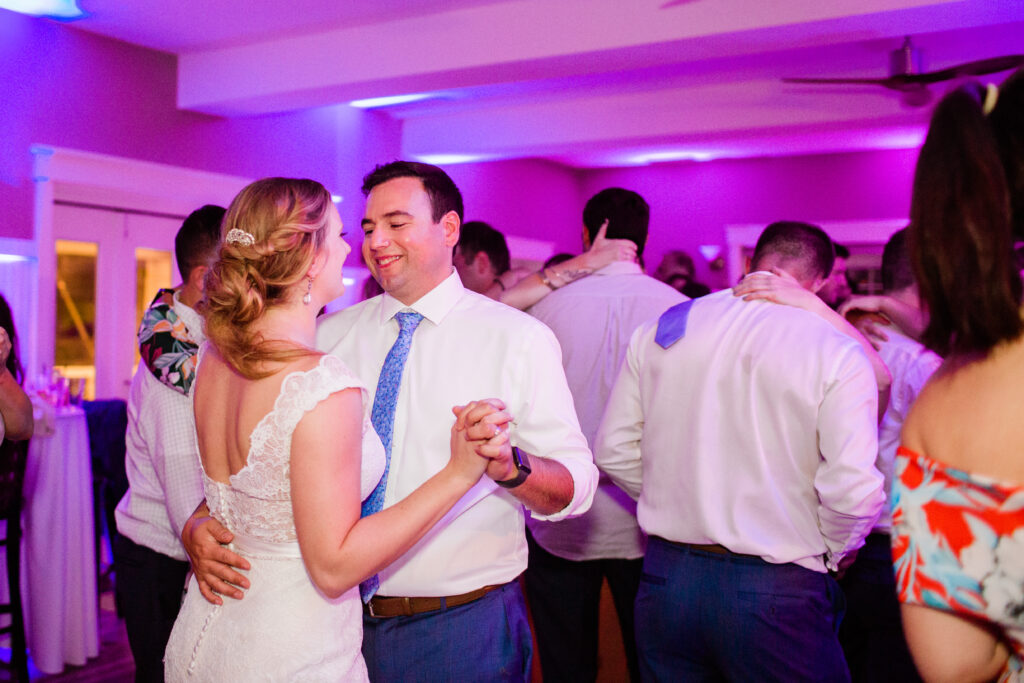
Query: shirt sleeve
[[919, 372], [849, 486], [175, 455], [545, 422], [617, 445]]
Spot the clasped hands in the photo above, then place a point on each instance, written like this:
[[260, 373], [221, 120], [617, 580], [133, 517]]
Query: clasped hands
[[480, 439]]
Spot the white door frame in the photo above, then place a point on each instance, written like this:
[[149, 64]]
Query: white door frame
[[104, 181]]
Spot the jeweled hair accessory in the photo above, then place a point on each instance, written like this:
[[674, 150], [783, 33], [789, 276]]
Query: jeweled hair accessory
[[239, 236]]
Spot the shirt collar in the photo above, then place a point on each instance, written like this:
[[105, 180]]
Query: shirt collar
[[193, 321], [620, 268], [434, 305]]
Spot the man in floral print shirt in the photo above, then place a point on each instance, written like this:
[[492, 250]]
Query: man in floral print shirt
[[166, 345], [162, 461]]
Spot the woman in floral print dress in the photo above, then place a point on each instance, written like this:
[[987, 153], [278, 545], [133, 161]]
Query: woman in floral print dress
[[958, 498]]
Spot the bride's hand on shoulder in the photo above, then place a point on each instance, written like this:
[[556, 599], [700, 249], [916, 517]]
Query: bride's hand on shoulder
[[479, 433]]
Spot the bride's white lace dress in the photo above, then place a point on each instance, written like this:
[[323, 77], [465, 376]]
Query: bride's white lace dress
[[284, 629]]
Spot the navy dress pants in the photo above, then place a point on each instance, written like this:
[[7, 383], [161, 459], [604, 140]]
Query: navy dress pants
[[703, 616], [485, 640]]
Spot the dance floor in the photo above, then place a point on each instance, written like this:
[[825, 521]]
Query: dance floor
[[114, 664]]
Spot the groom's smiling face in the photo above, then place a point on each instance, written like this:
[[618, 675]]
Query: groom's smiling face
[[408, 253]]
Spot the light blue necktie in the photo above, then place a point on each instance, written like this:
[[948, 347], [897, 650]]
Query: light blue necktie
[[383, 418], [672, 324]]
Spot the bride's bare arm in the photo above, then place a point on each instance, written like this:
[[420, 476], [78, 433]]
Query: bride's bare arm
[[338, 547]]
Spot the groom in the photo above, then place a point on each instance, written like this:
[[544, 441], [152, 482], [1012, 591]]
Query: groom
[[457, 587]]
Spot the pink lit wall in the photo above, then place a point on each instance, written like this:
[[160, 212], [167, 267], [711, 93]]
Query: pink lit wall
[[527, 197], [69, 88], [691, 202]]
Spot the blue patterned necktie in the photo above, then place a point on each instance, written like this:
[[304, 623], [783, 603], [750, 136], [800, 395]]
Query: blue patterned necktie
[[383, 418]]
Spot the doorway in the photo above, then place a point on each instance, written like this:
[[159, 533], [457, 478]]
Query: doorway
[[110, 264], [104, 239]]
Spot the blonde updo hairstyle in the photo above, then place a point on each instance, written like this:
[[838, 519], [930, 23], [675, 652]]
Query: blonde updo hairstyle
[[287, 219]]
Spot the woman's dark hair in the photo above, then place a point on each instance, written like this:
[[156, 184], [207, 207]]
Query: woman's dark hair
[[7, 322], [1007, 121], [960, 241]]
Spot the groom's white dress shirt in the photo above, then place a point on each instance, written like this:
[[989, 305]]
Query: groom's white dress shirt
[[468, 347]]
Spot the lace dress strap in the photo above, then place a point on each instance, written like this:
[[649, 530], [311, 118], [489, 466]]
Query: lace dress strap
[[267, 469], [301, 391]]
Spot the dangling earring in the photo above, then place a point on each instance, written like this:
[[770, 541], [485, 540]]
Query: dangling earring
[[307, 298]]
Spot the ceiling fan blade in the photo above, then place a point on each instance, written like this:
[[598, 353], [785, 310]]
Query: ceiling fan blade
[[976, 68], [909, 83], [839, 81], [898, 83]]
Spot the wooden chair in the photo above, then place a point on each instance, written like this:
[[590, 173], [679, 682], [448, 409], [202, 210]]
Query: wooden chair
[[13, 456]]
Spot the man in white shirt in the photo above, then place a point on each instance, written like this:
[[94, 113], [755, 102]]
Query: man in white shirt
[[872, 631], [450, 608], [747, 431], [593, 319], [482, 259], [162, 458]]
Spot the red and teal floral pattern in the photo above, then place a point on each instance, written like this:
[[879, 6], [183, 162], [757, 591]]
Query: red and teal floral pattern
[[166, 346], [958, 545]]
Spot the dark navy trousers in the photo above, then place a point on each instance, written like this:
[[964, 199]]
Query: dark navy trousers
[[702, 616]]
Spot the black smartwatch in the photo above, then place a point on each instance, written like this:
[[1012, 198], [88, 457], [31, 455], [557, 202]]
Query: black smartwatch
[[522, 470]]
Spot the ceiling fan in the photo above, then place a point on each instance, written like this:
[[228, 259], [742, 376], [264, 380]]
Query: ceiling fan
[[906, 77]]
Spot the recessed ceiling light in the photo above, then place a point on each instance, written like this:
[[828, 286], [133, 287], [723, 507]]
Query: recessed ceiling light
[[448, 159], [671, 155], [65, 10], [377, 102]]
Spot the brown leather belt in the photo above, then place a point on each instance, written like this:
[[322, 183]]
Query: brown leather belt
[[706, 547], [383, 607]]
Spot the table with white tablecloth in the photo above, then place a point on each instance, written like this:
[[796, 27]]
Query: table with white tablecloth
[[58, 547]]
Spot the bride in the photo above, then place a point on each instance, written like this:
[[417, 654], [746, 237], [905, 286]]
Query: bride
[[288, 453]]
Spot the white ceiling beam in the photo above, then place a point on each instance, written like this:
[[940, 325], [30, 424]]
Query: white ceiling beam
[[537, 39], [646, 118]]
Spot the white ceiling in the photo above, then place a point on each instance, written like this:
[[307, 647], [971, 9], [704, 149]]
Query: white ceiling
[[581, 82]]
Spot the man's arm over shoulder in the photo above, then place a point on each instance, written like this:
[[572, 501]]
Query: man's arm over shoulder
[[849, 486], [546, 427], [617, 445]]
